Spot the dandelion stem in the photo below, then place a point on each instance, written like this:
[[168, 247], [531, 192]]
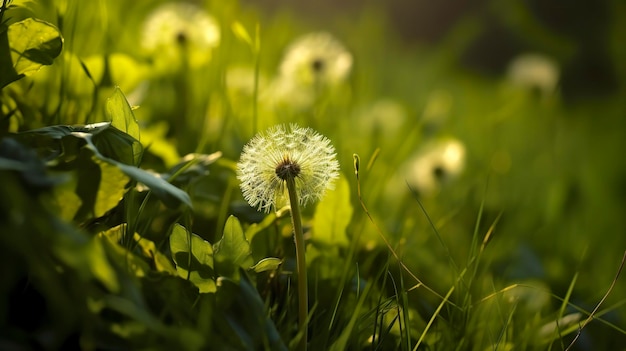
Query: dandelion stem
[[303, 301]]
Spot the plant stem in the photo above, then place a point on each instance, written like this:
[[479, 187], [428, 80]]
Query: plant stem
[[303, 300]]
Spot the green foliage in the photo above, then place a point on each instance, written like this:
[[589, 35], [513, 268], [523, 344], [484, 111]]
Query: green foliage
[[194, 258], [26, 46], [120, 114], [333, 216], [245, 321], [122, 225], [232, 250]]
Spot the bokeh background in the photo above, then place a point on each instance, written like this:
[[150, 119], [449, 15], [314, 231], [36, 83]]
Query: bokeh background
[[469, 117]]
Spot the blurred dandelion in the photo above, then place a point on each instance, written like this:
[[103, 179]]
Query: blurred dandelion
[[286, 152], [312, 64], [302, 163], [316, 58], [534, 71], [437, 164], [180, 32]]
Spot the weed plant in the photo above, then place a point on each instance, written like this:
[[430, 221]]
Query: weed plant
[[469, 211]]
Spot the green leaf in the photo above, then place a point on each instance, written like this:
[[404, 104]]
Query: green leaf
[[233, 250], [159, 261], [111, 189], [168, 193], [108, 144], [7, 72], [109, 141], [193, 257], [119, 112], [255, 228], [100, 267], [32, 43], [267, 264], [332, 216], [116, 144], [67, 201]]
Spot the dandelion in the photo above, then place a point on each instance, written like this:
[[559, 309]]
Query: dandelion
[[270, 159], [316, 58], [312, 64], [534, 71], [435, 165], [179, 31], [301, 163]]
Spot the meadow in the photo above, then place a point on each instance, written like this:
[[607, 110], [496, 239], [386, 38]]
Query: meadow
[[169, 171]]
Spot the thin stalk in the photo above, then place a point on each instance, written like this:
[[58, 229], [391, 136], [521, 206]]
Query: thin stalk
[[257, 66], [303, 300]]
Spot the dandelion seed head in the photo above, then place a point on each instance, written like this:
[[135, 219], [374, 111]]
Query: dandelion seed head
[[435, 165], [534, 71], [178, 29], [316, 58], [283, 152], [287, 169]]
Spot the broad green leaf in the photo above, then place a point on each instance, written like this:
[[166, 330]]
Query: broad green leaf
[[267, 264], [168, 193], [107, 140], [102, 136], [332, 216], [116, 144], [100, 266], [67, 201], [233, 250], [193, 257], [7, 72], [110, 145], [32, 43], [161, 262], [192, 167], [111, 189], [120, 114]]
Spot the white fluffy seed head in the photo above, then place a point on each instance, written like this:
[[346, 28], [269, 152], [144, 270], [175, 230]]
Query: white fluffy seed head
[[286, 151]]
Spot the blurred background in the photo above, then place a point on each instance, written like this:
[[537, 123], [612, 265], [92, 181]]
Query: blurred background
[[585, 39], [467, 116]]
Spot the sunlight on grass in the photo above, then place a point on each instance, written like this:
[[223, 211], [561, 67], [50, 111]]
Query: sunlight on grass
[[454, 177]]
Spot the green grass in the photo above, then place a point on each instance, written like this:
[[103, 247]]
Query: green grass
[[135, 235]]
